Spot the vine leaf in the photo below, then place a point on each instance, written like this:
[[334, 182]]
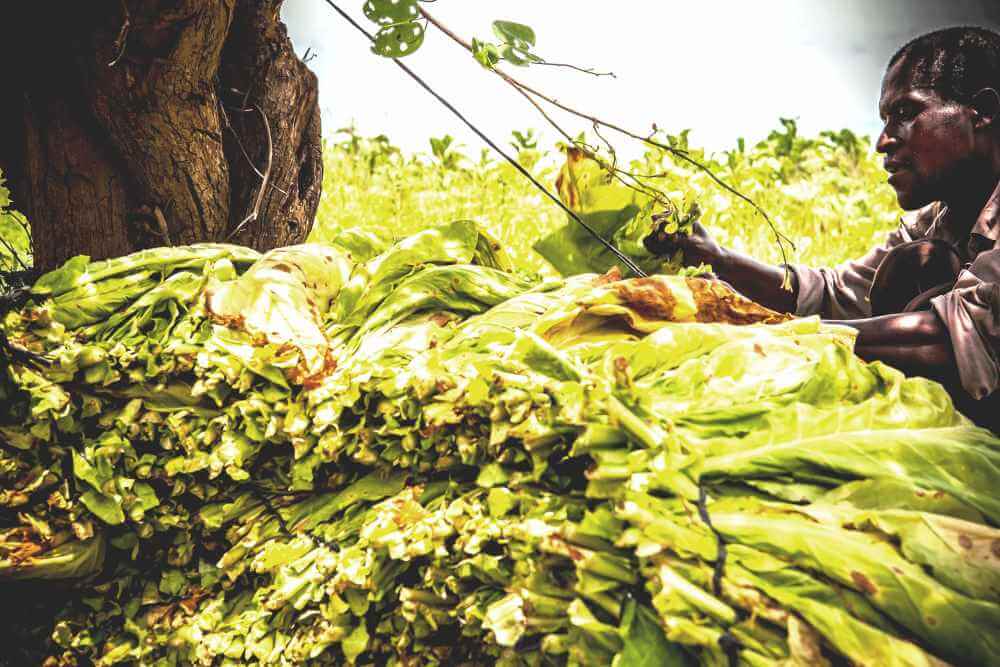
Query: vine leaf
[[517, 41], [400, 32], [518, 35], [388, 12], [401, 39], [486, 54]]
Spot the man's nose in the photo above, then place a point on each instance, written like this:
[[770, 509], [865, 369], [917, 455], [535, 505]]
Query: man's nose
[[886, 142]]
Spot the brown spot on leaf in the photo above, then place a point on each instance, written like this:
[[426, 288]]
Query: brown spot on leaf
[[613, 275], [965, 541], [863, 583], [995, 548], [931, 621], [440, 319], [309, 382], [281, 266], [649, 297], [568, 191], [717, 302], [190, 604]]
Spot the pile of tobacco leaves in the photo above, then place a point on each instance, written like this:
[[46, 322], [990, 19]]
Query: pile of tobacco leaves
[[410, 454]]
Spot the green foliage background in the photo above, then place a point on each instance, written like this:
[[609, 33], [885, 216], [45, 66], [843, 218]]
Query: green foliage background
[[828, 193]]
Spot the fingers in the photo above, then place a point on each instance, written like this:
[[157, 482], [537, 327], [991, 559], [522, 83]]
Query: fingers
[[662, 243]]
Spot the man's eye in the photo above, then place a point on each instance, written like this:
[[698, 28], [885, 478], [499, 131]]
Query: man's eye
[[903, 113]]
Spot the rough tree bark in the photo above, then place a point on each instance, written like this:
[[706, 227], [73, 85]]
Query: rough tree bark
[[126, 124]]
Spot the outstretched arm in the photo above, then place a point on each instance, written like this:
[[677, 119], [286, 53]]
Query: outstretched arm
[[915, 343]]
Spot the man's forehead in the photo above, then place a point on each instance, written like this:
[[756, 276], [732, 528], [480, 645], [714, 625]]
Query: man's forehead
[[901, 76], [901, 82]]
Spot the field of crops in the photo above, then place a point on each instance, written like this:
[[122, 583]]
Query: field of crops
[[827, 193]]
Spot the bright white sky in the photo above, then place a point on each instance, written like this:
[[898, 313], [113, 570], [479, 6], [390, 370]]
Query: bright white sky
[[725, 68]]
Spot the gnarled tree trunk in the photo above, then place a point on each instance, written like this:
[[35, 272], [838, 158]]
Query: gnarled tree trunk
[[126, 124]]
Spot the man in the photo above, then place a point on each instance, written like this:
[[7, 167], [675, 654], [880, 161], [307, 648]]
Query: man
[[941, 140]]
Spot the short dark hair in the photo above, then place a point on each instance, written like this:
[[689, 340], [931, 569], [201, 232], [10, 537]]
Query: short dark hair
[[955, 62]]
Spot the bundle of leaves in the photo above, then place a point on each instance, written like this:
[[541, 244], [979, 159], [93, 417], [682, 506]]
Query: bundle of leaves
[[353, 453]]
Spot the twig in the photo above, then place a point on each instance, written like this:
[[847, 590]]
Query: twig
[[780, 237], [122, 38], [162, 222], [255, 213], [586, 70], [239, 142], [591, 152], [13, 252]]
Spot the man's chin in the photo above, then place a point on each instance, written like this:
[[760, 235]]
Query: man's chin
[[908, 201]]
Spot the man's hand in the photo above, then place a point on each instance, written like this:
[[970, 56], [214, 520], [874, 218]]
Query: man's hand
[[697, 246], [760, 282]]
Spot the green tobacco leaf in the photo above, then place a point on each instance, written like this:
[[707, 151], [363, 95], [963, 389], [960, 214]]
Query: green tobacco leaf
[[72, 560], [827, 609], [957, 553], [284, 296], [356, 643], [961, 461], [104, 507], [604, 204], [80, 272], [941, 617], [644, 642], [889, 493]]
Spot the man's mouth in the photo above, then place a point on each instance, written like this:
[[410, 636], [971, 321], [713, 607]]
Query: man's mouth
[[892, 166], [896, 171]]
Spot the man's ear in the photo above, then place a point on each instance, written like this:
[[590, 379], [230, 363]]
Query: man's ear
[[986, 105]]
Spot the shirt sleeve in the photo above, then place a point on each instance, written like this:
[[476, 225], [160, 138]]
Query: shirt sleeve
[[841, 293], [971, 312]]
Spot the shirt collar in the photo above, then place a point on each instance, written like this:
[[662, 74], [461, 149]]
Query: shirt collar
[[988, 223], [987, 227]]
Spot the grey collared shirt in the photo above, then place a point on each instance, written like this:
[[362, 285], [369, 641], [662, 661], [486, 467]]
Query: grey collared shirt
[[971, 311]]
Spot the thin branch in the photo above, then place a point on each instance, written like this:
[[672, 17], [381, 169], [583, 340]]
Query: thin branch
[[162, 223], [122, 39], [13, 252], [586, 70], [591, 152], [255, 213], [239, 142], [780, 237]]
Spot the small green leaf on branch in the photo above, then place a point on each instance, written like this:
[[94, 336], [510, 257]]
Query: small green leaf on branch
[[396, 41]]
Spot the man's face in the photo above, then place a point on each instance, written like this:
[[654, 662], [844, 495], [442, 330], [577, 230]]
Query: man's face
[[929, 142]]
